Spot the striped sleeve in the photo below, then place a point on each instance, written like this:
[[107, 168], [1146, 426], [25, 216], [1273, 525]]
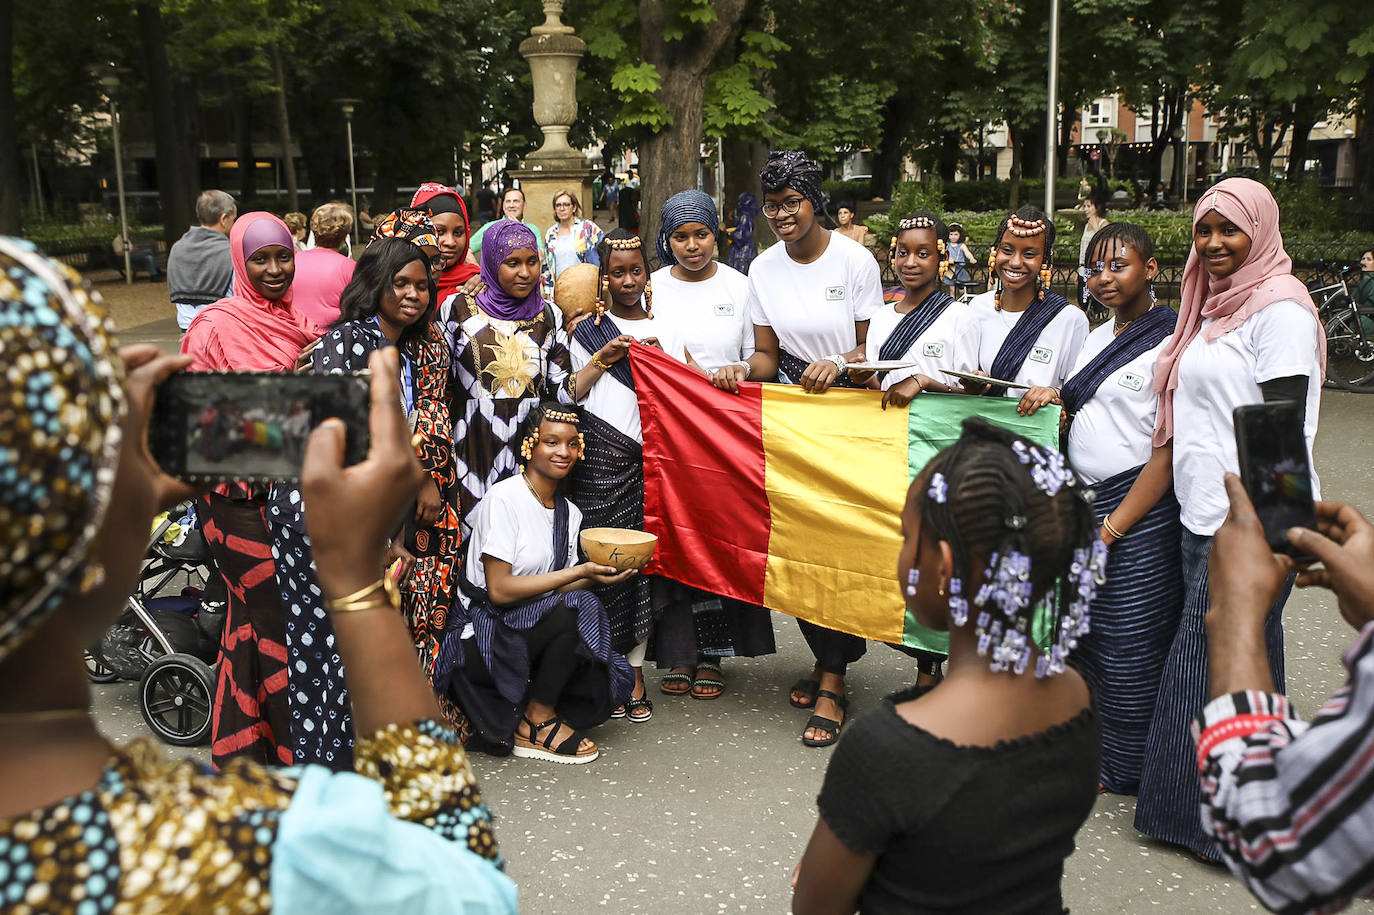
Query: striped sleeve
[[1291, 804]]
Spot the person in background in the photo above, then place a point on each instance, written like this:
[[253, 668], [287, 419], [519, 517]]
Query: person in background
[[844, 215], [530, 654], [708, 303], [453, 268], [810, 301], [741, 233], [965, 796], [1288, 800], [1095, 211], [1247, 333], [1364, 290], [958, 278], [486, 205], [570, 240], [1110, 408], [141, 257], [612, 193], [365, 222], [608, 484], [298, 840], [254, 330], [323, 271], [299, 225], [199, 268], [512, 210]]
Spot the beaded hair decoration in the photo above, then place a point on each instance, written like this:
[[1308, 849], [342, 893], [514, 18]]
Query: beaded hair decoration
[[922, 222], [553, 416], [1002, 601], [603, 296], [1021, 228]]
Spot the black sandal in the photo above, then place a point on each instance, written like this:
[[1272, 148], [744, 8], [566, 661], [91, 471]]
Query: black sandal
[[565, 752], [643, 702], [829, 726], [806, 686], [707, 683]]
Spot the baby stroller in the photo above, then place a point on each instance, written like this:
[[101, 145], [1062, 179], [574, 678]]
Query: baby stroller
[[168, 637]]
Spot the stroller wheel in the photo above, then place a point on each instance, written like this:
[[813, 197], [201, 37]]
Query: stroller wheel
[[176, 695], [97, 672]]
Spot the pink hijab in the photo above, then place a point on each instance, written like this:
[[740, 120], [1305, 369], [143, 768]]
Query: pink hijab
[[246, 332], [1266, 277]]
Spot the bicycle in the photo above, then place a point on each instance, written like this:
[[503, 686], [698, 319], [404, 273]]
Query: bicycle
[[1349, 346], [1332, 297]]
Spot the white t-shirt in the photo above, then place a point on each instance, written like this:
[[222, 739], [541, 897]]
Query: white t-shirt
[[1050, 358], [813, 307], [711, 314], [564, 253], [1214, 378], [608, 398], [1113, 431], [509, 524], [951, 342]]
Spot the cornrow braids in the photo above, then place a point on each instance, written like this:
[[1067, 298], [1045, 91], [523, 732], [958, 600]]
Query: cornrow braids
[[1115, 235], [620, 240], [1017, 510], [1018, 223]]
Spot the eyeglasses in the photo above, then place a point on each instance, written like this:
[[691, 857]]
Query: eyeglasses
[[789, 207], [562, 205]]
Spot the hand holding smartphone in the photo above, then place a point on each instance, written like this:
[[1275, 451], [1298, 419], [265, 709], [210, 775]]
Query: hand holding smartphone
[[1275, 469], [213, 427]]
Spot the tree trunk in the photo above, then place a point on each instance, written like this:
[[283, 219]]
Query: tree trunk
[[288, 162], [1014, 173], [174, 183], [668, 159], [10, 181], [950, 143], [1304, 116], [243, 147]]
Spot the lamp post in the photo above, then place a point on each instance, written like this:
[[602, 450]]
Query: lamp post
[[111, 82], [1052, 110], [347, 104], [1181, 166]]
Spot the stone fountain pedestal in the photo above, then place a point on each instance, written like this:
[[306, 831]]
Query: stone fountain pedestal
[[553, 52]]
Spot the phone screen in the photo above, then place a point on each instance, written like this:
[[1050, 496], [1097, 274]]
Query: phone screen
[[252, 426], [1275, 469]]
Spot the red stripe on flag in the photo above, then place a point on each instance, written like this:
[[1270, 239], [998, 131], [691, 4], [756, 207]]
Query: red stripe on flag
[[709, 444]]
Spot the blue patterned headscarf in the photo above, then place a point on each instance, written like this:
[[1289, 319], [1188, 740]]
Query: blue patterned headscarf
[[501, 239], [680, 209], [61, 403], [796, 170]]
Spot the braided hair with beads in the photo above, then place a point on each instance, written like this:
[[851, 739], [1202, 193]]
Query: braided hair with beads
[[1018, 510], [924, 219], [1107, 244], [554, 412], [1027, 222], [620, 240]]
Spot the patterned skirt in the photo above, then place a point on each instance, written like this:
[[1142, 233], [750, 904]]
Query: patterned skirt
[[1134, 618], [321, 713], [251, 717], [608, 486]]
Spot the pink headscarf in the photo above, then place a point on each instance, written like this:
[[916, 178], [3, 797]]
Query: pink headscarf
[[1266, 277], [247, 332]]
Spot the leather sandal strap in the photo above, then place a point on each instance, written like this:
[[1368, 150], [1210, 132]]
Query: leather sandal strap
[[841, 701]]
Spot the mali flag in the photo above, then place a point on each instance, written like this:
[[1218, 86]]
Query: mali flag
[[790, 500]]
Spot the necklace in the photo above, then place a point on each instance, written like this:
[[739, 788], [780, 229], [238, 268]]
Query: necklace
[[536, 495], [1118, 327]]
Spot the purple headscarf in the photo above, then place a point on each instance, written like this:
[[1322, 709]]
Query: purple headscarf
[[497, 244]]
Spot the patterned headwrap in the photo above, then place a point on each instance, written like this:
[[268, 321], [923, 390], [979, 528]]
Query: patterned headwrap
[[501, 239], [61, 403], [795, 170], [409, 225], [680, 209]]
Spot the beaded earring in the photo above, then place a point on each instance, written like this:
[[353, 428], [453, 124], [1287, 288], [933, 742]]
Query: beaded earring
[[527, 448], [946, 268], [602, 298], [649, 297], [1045, 274], [892, 250], [581, 445]]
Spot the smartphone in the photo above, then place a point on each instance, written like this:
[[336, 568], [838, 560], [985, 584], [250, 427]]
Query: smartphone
[[213, 427], [1275, 470]]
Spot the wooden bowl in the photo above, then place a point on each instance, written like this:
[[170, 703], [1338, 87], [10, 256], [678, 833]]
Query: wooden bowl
[[615, 546], [574, 292]]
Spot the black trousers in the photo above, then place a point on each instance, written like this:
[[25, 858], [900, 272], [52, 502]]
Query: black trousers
[[834, 651], [552, 644]]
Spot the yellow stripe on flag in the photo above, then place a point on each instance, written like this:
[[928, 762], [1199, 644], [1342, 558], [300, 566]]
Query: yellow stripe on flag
[[835, 472]]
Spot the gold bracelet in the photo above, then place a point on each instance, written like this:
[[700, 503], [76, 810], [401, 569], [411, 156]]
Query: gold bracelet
[[379, 603], [359, 600], [1111, 528], [596, 361]]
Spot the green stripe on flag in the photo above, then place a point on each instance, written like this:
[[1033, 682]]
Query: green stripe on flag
[[935, 423]]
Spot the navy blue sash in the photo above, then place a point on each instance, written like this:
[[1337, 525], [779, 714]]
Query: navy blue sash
[[593, 336], [913, 324], [793, 367], [1144, 334], [1017, 346]]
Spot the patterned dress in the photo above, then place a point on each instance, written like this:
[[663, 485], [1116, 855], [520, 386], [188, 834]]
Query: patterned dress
[[500, 371], [160, 836]]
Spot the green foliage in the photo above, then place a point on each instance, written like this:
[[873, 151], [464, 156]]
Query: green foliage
[[638, 85], [907, 198], [855, 190]]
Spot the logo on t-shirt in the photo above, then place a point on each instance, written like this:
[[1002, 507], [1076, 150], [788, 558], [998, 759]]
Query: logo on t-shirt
[[1041, 354], [1132, 381], [834, 293], [725, 309], [933, 350]]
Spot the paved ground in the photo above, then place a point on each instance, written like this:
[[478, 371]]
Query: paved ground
[[707, 807]]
